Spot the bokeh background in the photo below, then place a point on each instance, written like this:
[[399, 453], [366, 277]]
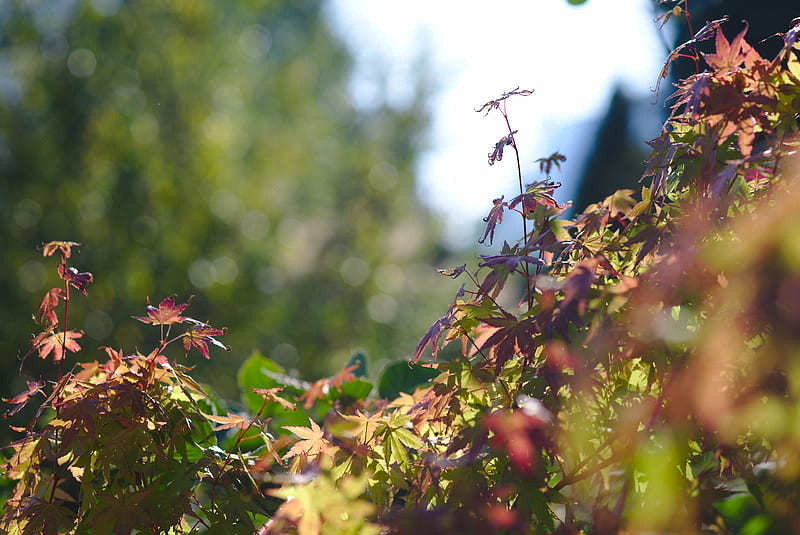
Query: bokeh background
[[290, 165], [209, 148]]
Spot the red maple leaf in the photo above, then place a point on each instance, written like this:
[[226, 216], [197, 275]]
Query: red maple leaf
[[34, 387], [578, 282], [506, 336], [56, 343], [494, 218], [201, 336], [317, 390], [537, 193], [517, 434], [65, 247], [344, 375], [75, 278], [47, 308], [730, 55], [167, 312]]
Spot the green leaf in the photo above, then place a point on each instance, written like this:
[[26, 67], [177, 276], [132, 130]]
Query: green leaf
[[755, 490], [253, 374], [408, 438], [404, 377], [358, 389], [360, 359]]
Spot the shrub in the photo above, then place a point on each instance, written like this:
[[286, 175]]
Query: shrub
[[645, 380]]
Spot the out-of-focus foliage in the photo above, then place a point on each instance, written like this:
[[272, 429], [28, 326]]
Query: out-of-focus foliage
[[209, 147]]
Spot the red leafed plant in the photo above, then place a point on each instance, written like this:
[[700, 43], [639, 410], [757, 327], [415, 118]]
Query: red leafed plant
[[645, 377], [129, 444]]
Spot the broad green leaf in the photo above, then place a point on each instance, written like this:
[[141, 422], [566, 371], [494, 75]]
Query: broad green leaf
[[404, 377], [358, 389], [253, 373], [360, 359]]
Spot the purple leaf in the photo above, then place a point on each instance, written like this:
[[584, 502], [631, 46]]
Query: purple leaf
[[494, 218]]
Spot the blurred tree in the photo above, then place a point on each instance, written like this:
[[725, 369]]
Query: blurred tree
[[208, 147], [615, 159]]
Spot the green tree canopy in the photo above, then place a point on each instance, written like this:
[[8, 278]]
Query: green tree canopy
[[209, 147]]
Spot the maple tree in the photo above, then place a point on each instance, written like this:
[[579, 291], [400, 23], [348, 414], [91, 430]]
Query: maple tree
[[636, 386], [644, 378]]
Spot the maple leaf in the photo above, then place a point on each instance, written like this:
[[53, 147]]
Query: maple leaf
[[201, 336], [577, 283], [537, 193], [546, 164], [365, 425], [691, 95], [495, 104], [56, 343], [344, 375], [705, 33], [508, 261], [494, 218], [317, 390], [650, 237], [313, 443], [502, 266], [48, 305], [434, 334], [230, 421], [453, 273], [497, 154], [75, 279], [65, 247], [115, 355], [507, 336], [517, 434], [730, 55], [660, 161], [271, 394], [34, 387], [167, 312]]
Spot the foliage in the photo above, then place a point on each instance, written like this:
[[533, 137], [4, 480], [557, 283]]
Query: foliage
[[211, 146], [128, 444], [631, 370], [646, 379]]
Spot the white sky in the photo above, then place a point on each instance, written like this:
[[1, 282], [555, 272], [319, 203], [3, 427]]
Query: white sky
[[571, 56]]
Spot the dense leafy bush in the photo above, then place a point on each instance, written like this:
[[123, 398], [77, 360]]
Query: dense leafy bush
[[634, 369]]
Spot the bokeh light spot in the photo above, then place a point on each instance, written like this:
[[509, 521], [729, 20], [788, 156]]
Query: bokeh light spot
[[354, 271], [382, 308], [82, 63]]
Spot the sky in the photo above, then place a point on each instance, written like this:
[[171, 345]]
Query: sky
[[572, 57]]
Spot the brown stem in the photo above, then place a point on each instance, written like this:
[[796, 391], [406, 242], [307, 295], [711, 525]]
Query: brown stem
[[238, 441], [529, 293], [57, 404]]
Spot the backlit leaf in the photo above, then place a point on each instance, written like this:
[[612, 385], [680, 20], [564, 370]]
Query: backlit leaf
[[166, 313], [56, 343]]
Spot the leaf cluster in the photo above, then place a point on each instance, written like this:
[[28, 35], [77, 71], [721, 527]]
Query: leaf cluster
[[641, 381], [632, 369], [129, 444]]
